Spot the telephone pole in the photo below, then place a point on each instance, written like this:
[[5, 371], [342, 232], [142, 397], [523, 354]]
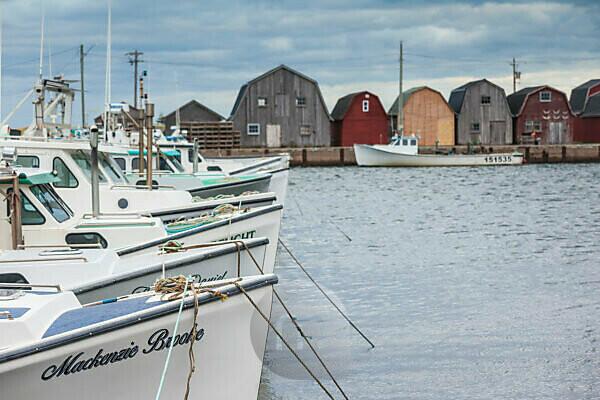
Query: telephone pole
[[134, 59], [81, 55], [516, 74]]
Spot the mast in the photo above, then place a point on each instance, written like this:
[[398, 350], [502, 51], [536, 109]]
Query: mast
[[81, 55], [42, 28], [0, 63], [400, 118], [107, 93]]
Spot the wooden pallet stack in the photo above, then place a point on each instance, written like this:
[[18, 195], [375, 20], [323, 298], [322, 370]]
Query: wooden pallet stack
[[213, 135]]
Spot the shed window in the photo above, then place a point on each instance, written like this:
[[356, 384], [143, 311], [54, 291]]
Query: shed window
[[486, 100], [253, 129], [533, 126], [86, 239], [262, 101], [545, 97], [28, 161], [300, 101], [365, 105], [305, 130], [475, 127]]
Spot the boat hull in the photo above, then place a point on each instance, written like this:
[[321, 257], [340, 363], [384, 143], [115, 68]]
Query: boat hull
[[369, 156], [78, 364]]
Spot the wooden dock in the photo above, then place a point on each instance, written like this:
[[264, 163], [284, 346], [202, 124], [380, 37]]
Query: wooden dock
[[339, 156]]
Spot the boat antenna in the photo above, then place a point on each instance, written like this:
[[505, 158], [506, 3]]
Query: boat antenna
[[42, 29], [0, 63], [400, 119], [177, 114], [107, 84]]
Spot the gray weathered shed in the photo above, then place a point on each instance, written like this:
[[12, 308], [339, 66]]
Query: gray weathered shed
[[482, 114], [190, 112], [281, 108]]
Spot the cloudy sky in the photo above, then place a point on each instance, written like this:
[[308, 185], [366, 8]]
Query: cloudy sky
[[205, 50]]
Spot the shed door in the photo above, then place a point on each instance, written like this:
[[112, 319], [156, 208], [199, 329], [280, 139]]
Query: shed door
[[273, 135], [556, 132], [497, 132]]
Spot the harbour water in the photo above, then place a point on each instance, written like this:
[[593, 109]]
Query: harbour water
[[473, 283]]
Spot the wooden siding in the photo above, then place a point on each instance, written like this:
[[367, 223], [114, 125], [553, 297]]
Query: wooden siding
[[428, 115], [554, 117], [190, 113], [494, 119], [358, 126], [280, 89]]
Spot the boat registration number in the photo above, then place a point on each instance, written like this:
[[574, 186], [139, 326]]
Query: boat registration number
[[498, 159]]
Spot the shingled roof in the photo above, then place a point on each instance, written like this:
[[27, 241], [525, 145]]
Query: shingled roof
[[197, 104], [457, 96], [516, 100], [393, 111], [579, 95], [342, 106]]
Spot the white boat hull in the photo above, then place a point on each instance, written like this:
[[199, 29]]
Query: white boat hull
[[370, 156], [124, 358]]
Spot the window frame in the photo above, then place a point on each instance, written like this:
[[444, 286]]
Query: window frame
[[55, 184], [102, 242], [23, 199], [47, 189], [475, 127], [306, 130], [262, 100], [253, 125], [300, 101], [122, 159], [31, 156], [488, 100], [544, 100], [365, 103]]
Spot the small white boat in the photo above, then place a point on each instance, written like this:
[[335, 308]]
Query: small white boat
[[403, 151], [54, 348], [96, 274]]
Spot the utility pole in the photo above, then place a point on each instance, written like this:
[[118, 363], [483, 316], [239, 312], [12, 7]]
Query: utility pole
[[81, 55], [134, 59], [516, 74], [400, 119]]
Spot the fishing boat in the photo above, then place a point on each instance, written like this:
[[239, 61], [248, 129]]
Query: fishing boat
[[95, 274], [403, 151], [139, 346]]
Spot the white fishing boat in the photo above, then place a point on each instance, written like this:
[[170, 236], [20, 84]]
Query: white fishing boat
[[403, 151], [96, 274], [54, 348]]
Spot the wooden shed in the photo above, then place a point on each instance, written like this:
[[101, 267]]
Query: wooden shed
[[191, 112], [541, 114], [482, 114], [359, 118], [281, 108], [426, 115], [585, 102]]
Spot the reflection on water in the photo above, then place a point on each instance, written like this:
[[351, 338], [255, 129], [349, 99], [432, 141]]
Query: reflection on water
[[473, 283]]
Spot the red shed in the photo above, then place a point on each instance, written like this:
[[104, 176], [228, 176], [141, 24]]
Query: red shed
[[585, 101], [541, 114], [359, 118]]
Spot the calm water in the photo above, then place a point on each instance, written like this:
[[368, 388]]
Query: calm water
[[473, 283]]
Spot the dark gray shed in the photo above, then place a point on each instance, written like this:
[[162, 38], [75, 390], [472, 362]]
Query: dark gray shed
[[482, 114], [281, 108], [190, 112]]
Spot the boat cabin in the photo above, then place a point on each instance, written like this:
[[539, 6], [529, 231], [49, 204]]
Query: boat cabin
[[405, 144]]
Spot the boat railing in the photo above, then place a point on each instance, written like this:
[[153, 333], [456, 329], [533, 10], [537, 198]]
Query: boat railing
[[29, 286], [43, 260], [121, 186]]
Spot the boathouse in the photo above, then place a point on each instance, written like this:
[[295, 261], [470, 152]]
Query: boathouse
[[281, 108], [190, 113], [482, 114], [541, 115], [426, 115], [585, 102], [359, 118]]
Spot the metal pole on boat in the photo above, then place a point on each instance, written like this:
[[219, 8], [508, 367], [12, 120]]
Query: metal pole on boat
[[141, 124], [195, 150], [95, 181], [149, 116], [15, 222], [400, 119]]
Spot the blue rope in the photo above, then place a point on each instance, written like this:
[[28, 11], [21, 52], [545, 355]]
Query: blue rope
[[164, 373]]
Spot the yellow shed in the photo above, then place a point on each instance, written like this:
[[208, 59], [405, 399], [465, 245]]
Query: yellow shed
[[426, 115]]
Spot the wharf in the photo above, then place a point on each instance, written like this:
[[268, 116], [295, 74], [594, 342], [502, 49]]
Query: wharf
[[338, 156]]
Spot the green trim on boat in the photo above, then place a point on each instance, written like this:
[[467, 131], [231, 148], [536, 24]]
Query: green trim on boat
[[37, 179]]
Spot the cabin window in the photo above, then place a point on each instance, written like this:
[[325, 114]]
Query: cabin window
[[64, 174], [111, 169], [121, 163], [365, 106], [475, 127], [306, 130], [12, 278], [486, 100], [28, 161], [262, 101], [163, 165], [300, 101], [253, 129], [191, 156], [86, 239], [404, 142], [174, 159], [413, 142], [29, 214], [135, 163], [82, 159], [49, 200], [545, 97]]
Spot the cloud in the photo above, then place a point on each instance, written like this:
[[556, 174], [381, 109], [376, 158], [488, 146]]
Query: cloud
[[279, 43]]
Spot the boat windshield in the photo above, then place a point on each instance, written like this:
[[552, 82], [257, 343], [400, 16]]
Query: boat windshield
[[111, 168], [175, 162], [82, 159], [51, 202]]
